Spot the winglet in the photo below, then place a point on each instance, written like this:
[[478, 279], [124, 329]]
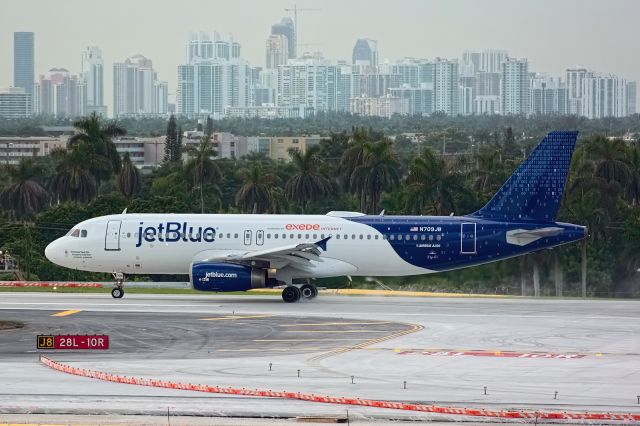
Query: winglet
[[323, 243]]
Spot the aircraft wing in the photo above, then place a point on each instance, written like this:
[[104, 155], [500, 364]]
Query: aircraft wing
[[297, 255]]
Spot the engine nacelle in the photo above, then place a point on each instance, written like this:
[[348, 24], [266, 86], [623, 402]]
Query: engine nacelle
[[209, 276]]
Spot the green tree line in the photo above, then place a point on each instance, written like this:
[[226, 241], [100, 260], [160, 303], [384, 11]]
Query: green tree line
[[454, 168]]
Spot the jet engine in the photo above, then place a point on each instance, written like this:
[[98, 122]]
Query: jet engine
[[221, 276]]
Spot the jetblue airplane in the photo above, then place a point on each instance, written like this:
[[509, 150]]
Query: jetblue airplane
[[235, 252]]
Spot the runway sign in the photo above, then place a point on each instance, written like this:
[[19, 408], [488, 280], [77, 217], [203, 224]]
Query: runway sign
[[73, 342]]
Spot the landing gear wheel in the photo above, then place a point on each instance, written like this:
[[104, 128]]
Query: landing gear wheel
[[291, 294], [308, 291], [118, 290], [117, 293]]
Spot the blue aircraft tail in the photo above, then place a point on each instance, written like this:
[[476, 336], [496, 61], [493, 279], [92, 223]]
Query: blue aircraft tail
[[534, 191]]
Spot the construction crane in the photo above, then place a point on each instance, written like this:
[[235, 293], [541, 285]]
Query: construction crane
[[295, 11]]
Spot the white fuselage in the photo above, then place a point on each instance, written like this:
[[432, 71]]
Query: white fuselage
[[141, 244]]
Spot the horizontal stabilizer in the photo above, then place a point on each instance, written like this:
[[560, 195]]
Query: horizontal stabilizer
[[522, 237]]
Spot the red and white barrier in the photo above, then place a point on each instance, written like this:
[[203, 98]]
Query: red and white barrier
[[475, 412], [48, 284]]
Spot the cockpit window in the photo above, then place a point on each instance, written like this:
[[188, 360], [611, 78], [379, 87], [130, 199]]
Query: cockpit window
[[74, 233], [83, 233]]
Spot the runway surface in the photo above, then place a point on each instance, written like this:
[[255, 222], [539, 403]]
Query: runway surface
[[446, 350]]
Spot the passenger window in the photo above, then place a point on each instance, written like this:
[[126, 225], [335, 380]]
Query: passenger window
[[268, 236], [415, 238], [322, 236], [83, 233], [353, 236], [407, 237], [392, 237], [346, 237], [299, 236], [337, 236], [315, 236], [235, 235], [368, 236], [384, 236], [376, 236], [128, 234], [361, 236], [399, 237], [422, 237], [221, 236], [306, 236]]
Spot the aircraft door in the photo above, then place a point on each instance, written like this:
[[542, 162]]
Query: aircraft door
[[468, 238], [112, 235], [247, 237], [259, 237]]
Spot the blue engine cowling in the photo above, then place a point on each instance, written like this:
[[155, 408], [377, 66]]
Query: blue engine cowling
[[208, 276]]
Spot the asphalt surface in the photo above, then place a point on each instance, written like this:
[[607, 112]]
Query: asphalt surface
[[446, 350]]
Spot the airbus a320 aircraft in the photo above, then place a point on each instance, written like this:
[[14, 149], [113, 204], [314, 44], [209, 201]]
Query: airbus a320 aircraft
[[234, 252]]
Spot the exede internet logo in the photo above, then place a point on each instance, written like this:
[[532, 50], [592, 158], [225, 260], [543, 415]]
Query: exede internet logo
[[302, 227]]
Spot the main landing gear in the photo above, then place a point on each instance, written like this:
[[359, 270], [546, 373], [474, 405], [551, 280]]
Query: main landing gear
[[292, 293], [118, 290]]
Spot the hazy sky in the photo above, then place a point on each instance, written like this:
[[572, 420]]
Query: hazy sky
[[552, 34]]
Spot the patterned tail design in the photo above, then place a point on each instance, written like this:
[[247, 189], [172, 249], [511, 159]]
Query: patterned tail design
[[534, 191]]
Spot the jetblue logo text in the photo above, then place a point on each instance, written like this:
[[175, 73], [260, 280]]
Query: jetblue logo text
[[221, 275], [171, 232]]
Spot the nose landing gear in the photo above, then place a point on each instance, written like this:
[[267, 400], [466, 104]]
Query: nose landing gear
[[118, 290]]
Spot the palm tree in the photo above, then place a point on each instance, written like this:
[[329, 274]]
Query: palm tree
[[307, 183], [434, 185], [201, 166], [633, 183], [489, 171], [353, 156], [103, 158], [24, 197], [255, 193], [611, 159], [128, 178], [73, 179], [379, 171]]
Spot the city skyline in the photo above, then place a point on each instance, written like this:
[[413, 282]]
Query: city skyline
[[393, 45]]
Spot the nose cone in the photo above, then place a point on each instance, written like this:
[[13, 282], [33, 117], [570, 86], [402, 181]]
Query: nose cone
[[51, 252]]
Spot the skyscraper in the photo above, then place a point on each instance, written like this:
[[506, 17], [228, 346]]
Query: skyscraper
[[486, 60], [135, 86], [574, 89], [446, 86], [604, 95], [277, 50], [286, 28], [23, 75], [92, 73], [58, 93], [365, 52], [515, 93]]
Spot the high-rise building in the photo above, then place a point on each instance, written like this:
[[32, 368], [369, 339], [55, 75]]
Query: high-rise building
[[23, 66], [365, 52], [203, 46], [58, 93], [420, 99], [487, 60], [413, 72], [515, 93], [135, 87], [467, 94], [277, 49], [93, 78], [15, 102], [286, 28], [208, 87], [385, 106], [446, 86], [604, 95], [315, 83], [574, 89], [631, 97], [487, 105], [547, 95]]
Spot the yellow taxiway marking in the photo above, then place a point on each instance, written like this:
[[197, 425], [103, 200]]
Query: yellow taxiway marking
[[234, 317], [333, 323], [337, 331], [65, 313], [304, 340]]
